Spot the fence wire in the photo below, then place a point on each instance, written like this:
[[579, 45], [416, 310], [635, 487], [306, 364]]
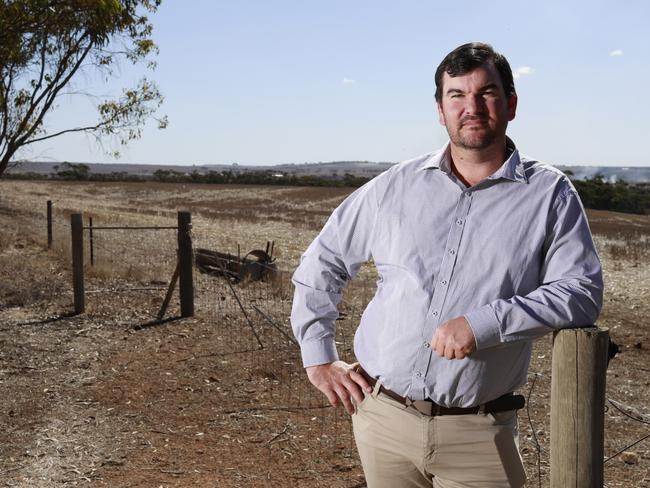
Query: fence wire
[[253, 318]]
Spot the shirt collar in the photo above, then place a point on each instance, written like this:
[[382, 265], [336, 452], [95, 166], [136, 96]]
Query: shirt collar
[[512, 169]]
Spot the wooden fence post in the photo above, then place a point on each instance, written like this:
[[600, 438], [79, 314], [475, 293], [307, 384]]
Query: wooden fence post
[[578, 407], [76, 224], [49, 224], [185, 264]]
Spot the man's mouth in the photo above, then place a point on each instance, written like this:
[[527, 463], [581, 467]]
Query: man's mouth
[[473, 123]]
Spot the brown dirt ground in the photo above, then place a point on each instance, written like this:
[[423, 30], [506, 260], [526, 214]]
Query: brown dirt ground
[[109, 398]]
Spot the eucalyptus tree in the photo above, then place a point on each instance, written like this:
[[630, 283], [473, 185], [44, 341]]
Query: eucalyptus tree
[[51, 48]]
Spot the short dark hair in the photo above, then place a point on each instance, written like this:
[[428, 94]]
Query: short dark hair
[[470, 56]]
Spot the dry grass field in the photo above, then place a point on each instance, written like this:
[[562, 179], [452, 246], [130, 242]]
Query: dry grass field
[[110, 398]]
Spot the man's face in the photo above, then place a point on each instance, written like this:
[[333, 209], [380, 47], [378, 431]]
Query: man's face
[[475, 109]]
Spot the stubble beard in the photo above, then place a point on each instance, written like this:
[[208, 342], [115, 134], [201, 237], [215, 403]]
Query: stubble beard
[[475, 140]]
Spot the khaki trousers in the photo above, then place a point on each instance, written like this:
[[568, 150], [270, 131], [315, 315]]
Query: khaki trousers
[[401, 448]]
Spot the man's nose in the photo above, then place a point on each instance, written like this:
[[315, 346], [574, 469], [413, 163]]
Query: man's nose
[[474, 104]]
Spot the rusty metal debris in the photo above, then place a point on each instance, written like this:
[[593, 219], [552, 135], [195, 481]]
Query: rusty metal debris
[[257, 265]]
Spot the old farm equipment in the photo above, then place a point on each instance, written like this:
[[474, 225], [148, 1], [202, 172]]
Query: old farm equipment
[[257, 265]]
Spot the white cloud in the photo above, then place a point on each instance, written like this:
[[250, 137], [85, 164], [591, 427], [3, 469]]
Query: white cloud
[[616, 52], [348, 81], [522, 71]]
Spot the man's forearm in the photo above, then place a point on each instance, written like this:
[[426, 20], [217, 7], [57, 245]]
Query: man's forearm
[[313, 318], [550, 307]]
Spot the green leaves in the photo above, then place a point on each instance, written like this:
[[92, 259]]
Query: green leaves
[[46, 44], [127, 115]]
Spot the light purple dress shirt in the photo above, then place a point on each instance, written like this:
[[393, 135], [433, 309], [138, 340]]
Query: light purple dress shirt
[[513, 254]]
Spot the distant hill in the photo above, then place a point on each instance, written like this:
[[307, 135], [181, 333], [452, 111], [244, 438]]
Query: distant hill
[[329, 169], [631, 174]]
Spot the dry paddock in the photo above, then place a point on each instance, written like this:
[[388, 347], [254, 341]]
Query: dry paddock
[[110, 398]]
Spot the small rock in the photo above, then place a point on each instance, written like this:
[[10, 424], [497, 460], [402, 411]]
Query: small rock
[[638, 345], [630, 457]]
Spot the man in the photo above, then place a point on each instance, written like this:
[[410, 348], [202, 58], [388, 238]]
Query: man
[[479, 252]]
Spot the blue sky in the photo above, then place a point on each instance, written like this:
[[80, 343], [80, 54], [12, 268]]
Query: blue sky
[[268, 82]]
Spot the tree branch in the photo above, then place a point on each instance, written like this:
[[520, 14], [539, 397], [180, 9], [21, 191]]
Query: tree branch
[[66, 131], [52, 89], [5, 122], [42, 71]]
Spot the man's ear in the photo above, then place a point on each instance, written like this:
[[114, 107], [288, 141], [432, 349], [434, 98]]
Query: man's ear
[[441, 115], [512, 107]]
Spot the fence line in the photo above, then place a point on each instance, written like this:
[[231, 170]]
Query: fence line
[[149, 261], [263, 343]]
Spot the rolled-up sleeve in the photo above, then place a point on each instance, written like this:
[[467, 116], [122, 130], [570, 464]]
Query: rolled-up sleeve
[[331, 260], [571, 290]]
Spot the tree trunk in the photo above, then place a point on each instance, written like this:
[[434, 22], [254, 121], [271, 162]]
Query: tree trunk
[[6, 158]]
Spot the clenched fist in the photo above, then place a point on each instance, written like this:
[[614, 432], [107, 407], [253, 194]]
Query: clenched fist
[[454, 339]]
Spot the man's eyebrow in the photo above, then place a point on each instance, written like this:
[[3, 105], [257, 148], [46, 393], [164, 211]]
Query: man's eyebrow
[[490, 86]]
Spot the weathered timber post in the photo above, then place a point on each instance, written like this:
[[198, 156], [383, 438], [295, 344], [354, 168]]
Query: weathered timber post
[[49, 224], [578, 407], [168, 295], [76, 225], [90, 241], [185, 264]]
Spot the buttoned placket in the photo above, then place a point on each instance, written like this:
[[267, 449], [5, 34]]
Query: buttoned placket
[[441, 285]]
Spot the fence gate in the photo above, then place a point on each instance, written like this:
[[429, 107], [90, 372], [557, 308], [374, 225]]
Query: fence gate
[[119, 254]]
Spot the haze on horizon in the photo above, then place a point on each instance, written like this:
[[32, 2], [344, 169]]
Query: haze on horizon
[[264, 83]]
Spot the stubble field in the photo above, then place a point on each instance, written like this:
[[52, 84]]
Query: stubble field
[[113, 398]]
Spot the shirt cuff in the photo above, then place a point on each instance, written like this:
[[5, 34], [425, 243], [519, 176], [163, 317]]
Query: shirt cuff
[[318, 352], [485, 325]]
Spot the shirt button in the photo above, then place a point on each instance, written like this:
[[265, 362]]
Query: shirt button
[[426, 345], [435, 313], [444, 282], [452, 252], [468, 194], [459, 222], [418, 374]]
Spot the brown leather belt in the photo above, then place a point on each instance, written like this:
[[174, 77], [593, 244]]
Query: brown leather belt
[[429, 407]]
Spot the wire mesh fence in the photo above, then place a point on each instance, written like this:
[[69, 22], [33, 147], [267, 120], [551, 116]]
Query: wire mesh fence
[[143, 255], [254, 319], [125, 264], [33, 223]]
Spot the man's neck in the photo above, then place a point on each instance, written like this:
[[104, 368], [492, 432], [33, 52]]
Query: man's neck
[[472, 166]]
